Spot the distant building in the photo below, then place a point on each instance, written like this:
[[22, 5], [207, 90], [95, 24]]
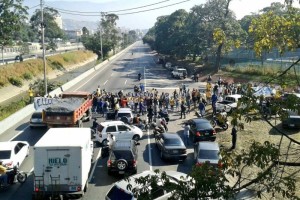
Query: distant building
[[58, 21], [73, 34]]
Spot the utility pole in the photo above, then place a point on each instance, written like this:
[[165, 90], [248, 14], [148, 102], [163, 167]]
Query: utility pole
[[43, 45], [102, 14]]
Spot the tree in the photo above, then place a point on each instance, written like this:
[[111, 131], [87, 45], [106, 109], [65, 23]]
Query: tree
[[110, 33], [52, 31], [209, 182], [12, 14], [85, 31]]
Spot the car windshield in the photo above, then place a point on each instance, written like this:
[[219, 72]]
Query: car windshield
[[124, 115], [36, 115], [123, 154], [117, 193], [209, 154], [5, 154], [203, 126], [173, 142]]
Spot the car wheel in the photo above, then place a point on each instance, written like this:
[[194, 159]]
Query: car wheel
[[104, 142], [225, 126], [213, 123], [136, 137], [122, 164]]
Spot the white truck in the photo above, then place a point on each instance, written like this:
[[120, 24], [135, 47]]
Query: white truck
[[179, 73], [229, 103], [62, 161]]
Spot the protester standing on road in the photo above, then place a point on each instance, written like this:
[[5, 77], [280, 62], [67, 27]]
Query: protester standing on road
[[3, 175], [183, 110], [186, 133], [234, 137], [201, 109], [150, 114], [214, 100]]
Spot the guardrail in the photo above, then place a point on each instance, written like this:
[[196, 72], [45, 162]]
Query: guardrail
[[15, 118]]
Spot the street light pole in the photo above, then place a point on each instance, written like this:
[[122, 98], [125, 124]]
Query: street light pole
[[43, 45]]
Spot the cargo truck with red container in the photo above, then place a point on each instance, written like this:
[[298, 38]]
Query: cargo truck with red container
[[69, 111]]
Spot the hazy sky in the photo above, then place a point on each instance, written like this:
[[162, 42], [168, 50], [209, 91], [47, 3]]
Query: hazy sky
[[147, 19]]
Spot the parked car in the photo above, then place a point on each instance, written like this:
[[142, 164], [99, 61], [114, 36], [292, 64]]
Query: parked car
[[125, 115], [36, 120], [207, 152], [13, 153], [119, 130], [292, 120], [229, 103], [123, 157], [120, 190], [179, 73], [201, 130], [171, 146]]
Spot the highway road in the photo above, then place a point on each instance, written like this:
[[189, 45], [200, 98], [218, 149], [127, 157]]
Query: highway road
[[118, 74]]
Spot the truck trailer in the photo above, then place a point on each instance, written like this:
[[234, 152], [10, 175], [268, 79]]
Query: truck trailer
[[62, 161]]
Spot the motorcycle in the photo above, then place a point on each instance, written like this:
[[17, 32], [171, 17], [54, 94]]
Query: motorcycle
[[14, 175], [158, 130], [215, 121]]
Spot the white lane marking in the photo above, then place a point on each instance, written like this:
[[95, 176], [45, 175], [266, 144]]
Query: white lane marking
[[105, 82], [97, 72], [149, 151], [19, 133], [125, 81], [95, 164]]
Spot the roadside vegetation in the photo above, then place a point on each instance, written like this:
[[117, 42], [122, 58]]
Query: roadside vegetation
[[17, 73]]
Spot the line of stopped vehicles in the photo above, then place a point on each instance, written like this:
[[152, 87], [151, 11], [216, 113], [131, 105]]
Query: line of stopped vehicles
[[62, 168]]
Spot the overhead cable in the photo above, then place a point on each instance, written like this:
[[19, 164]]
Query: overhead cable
[[113, 11], [129, 13]]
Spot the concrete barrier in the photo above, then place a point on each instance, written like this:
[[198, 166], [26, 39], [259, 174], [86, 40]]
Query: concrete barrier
[[29, 109]]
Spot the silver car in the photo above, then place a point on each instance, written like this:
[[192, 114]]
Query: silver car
[[207, 152]]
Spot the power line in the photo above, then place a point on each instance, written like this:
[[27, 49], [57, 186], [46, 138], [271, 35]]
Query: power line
[[129, 13], [34, 7], [113, 11]]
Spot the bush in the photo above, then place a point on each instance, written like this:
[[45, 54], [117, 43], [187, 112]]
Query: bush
[[27, 76], [57, 65], [12, 108], [15, 81]]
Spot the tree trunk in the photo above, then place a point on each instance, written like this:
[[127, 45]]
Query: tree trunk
[[218, 57], [2, 48]]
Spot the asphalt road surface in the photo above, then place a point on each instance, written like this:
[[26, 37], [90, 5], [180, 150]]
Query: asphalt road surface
[[119, 74]]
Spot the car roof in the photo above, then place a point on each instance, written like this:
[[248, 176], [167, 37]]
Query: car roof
[[234, 96], [181, 69], [8, 145], [123, 183], [122, 144], [170, 135], [209, 146], [200, 120], [112, 123], [124, 109]]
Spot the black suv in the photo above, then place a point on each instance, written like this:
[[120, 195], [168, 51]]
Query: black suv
[[123, 157]]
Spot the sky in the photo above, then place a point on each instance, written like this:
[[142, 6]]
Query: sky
[[146, 20]]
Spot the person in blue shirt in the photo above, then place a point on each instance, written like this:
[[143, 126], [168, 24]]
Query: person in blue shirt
[[214, 99]]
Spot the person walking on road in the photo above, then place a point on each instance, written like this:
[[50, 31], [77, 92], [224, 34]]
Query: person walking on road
[[234, 137], [186, 133]]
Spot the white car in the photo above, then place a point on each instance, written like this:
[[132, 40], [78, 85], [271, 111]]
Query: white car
[[119, 130], [120, 191], [13, 153]]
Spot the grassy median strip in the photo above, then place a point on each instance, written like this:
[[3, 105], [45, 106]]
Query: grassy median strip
[[13, 107]]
